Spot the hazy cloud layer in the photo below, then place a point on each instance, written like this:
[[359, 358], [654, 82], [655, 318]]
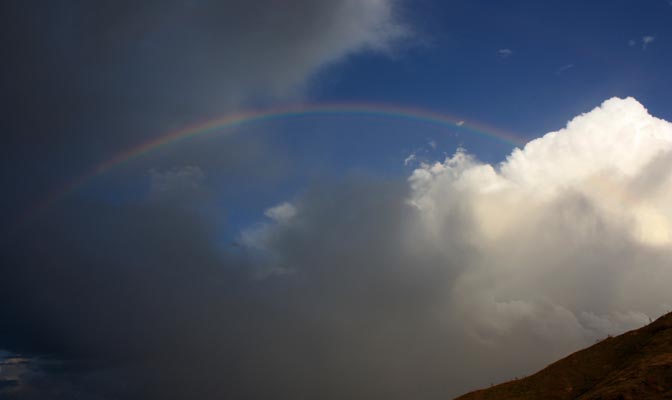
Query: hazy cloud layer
[[504, 53]]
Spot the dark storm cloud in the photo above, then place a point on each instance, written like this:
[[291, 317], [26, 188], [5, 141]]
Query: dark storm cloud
[[135, 291], [222, 52], [138, 301], [140, 296], [93, 78]]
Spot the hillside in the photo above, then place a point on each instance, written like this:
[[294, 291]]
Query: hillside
[[634, 365]]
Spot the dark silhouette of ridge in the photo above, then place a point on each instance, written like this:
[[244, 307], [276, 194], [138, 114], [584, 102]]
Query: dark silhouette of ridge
[[636, 365]]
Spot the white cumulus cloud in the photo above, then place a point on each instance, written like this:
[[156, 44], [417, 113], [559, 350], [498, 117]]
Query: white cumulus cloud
[[566, 241], [281, 213]]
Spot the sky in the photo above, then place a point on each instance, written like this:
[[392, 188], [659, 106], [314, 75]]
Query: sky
[[344, 199]]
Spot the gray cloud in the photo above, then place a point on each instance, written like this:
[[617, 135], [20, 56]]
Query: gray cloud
[[108, 75], [231, 51]]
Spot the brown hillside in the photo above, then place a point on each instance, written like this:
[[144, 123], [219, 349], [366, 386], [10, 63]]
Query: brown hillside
[[634, 365]]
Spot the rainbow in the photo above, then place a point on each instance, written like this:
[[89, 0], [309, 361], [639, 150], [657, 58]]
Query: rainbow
[[226, 125]]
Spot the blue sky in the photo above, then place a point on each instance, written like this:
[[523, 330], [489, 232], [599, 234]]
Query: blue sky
[[457, 66]]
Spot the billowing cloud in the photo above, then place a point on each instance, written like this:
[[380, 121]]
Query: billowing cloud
[[569, 230], [565, 242]]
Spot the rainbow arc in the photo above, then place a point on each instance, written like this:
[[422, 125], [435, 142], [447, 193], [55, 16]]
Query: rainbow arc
[[226, 125]]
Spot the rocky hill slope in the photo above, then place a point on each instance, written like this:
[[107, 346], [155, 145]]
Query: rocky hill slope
[[634, 365]]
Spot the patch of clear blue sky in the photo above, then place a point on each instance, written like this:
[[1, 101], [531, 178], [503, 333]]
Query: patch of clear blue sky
[[532, 90]]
